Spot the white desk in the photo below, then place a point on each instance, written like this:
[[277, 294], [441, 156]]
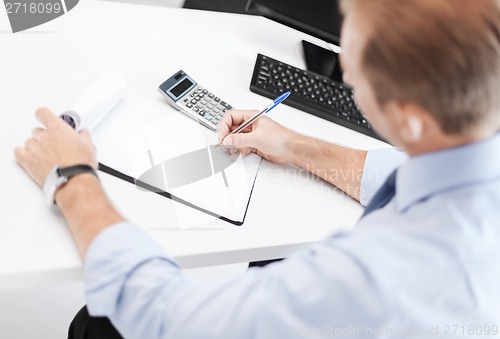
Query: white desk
[[146, 44]]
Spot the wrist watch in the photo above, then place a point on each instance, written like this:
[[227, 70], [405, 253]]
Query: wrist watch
[[59, 176]]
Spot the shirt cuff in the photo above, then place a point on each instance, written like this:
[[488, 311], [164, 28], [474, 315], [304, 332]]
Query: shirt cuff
[[111, 257], [378, 165]]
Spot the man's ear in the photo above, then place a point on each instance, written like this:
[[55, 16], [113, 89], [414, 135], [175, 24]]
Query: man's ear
[[410, 120]]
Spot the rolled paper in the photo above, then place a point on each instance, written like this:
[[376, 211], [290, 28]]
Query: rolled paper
[[100, 93]]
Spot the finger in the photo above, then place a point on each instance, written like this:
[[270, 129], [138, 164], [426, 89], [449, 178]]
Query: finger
[[36, 133], [234, 157], [223, 130], [86, 136], [233, 118], [21, 156], [241, 140], [29, 144], [238, 117], [47, 118], [247, 150]]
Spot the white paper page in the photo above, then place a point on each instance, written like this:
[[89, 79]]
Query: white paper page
[[170, 152], [176, 141]]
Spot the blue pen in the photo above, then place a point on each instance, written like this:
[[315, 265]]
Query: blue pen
[[247, 123]]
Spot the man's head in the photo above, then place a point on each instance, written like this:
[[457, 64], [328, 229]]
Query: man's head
[[425, 68]]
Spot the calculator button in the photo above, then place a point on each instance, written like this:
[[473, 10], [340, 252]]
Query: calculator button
[[189, 105], [201, 95], [204, 102], [210, 95], [205, 91], [210, 106], [197, 97], [196, 109], [217, 99], [202, 113]]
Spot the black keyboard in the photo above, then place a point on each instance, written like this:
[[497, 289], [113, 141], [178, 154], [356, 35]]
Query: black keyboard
[[311, 93]]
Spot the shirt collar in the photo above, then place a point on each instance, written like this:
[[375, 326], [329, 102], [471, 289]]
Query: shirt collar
[[432, 173]]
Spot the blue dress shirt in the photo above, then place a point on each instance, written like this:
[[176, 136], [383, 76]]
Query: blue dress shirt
[[425, 265]]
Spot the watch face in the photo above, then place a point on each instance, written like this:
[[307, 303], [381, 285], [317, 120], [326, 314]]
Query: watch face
[[52, 184]]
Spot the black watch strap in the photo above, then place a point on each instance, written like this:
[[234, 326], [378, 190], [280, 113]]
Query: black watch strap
[[71, 171]]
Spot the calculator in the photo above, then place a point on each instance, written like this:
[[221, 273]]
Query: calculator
[[187, 96]]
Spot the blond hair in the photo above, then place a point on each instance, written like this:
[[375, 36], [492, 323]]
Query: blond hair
[[443, 55]]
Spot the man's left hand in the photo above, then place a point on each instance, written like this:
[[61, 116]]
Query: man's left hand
[[55, 145]]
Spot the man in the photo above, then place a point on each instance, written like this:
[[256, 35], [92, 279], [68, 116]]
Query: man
[[422, 261]]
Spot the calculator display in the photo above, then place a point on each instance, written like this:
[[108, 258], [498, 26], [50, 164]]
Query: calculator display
[[182, 87]]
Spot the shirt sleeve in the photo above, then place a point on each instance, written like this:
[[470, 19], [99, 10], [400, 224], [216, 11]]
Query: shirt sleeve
[[129, 279], [378, 165]]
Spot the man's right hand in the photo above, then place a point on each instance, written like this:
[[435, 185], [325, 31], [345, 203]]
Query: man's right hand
[[264, 137]]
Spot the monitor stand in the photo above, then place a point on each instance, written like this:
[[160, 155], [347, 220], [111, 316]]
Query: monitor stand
[[322, 61]]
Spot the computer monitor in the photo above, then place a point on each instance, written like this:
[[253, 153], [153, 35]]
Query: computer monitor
[[319, 18]]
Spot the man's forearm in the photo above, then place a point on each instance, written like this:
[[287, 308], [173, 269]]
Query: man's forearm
[[86, 209], [338, 165]]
